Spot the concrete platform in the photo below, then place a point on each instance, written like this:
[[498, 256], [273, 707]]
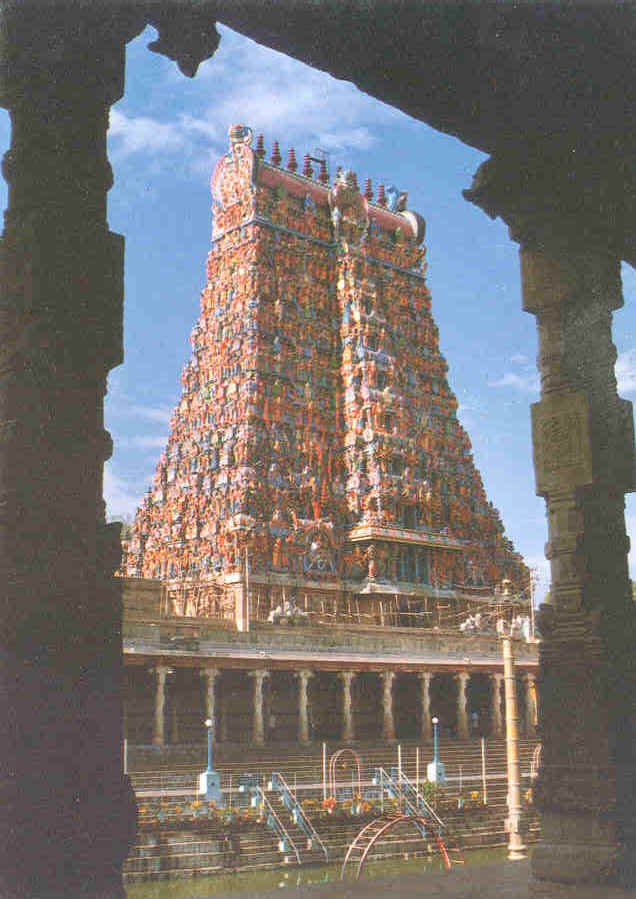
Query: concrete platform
[[507, 880]]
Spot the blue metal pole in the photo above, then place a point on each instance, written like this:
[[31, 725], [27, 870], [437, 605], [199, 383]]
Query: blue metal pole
[[435, 743], [209, 747]]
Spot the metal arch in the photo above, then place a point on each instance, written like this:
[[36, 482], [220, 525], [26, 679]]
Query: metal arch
[[387, 825], [358, 839], [332, 768]]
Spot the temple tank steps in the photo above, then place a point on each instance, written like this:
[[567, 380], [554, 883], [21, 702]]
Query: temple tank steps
[[182, 855]]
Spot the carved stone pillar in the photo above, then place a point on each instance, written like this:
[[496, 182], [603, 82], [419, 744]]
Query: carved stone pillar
[[462, 706], [258, 721], [158, 731], [348, 732], [426, 728], [568, 223], [209, 676], [68, 812], [303, 706], [388, 723], [496, 722], [531, 704]]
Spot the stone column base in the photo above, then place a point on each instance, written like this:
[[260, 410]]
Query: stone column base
[[588, 856]]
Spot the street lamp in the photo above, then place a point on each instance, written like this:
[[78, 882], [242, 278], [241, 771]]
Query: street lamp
[[435, 772], [516, 847]]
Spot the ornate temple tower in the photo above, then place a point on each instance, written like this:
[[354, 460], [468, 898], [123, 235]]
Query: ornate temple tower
[[316, 450]]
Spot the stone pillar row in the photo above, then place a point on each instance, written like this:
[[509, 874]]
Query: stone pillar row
[[211, 675]]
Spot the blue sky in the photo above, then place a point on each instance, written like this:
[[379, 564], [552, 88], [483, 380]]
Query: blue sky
[[166, 136]]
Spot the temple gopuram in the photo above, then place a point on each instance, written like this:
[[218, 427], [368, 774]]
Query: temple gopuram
[[316, 558], [316, 453]]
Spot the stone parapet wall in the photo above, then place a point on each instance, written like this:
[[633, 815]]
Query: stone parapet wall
[[203, 638]]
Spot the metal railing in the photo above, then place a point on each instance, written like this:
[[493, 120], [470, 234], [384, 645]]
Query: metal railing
[[274, 823], [412, 792], [292, 804], [399, 787]]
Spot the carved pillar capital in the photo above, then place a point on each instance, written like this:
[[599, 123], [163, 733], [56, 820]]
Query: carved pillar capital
[[387, 679], [553, 199], [209, 674]]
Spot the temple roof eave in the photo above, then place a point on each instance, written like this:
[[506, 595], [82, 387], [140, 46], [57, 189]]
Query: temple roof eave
[[246, 658]]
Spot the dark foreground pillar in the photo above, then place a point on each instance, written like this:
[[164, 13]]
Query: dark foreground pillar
[[568, 227], [68, 814]]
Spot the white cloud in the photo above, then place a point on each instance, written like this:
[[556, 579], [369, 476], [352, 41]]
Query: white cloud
[[519, 359], [120, 499], [143, 442], [626, 372], [134, 134], [254, 85], [527, 382], [274, 93], [161, 414]]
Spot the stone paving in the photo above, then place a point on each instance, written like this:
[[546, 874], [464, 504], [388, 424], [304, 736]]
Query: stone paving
[[507, 880]]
